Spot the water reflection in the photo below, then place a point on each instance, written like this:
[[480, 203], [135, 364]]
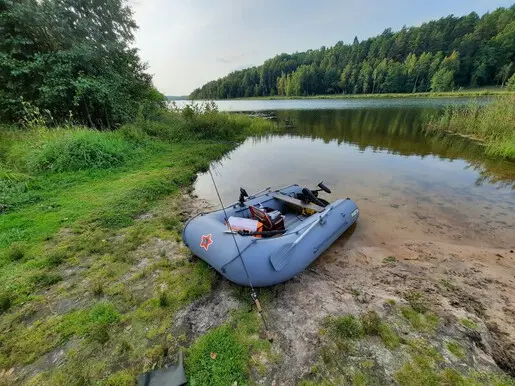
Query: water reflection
[[397, 131], [380, 157]]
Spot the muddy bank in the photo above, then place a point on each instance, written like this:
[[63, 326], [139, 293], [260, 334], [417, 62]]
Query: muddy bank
[[462, 266]]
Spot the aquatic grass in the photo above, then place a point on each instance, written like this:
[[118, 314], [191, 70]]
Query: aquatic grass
[[491, 124]]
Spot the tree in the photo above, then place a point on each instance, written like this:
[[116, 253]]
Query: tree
[[476, 50], [510, 85], [71, 57], [442, 80]]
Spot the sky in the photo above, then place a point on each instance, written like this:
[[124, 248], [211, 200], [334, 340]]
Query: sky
[[187, 43]]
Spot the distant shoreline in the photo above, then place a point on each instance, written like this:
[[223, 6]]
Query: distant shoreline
[[455, 94]]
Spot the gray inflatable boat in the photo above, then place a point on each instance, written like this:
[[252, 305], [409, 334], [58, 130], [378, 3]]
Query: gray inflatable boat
[[278, 233]]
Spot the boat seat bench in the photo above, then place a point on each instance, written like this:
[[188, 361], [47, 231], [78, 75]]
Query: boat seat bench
[[296, 202]]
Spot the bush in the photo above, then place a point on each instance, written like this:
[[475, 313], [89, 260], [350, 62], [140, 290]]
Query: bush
[[79, 150], [204, 122]]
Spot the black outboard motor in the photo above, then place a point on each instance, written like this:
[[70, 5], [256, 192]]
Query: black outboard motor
[[243, 194], [308, 195]]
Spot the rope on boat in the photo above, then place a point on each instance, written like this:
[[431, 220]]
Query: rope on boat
[[253, 293]]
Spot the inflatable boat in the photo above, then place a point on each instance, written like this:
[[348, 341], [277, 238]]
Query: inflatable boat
[[271, 236]]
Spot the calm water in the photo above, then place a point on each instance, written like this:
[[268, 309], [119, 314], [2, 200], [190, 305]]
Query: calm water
[[368, 150]]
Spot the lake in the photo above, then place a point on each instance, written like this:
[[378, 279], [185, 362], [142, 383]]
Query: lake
[[375, 151]]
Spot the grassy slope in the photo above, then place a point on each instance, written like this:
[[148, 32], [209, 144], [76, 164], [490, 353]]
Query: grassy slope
[[78, 268], [493, 125]]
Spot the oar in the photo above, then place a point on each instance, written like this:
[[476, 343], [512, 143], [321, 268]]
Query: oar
[[282, 255]]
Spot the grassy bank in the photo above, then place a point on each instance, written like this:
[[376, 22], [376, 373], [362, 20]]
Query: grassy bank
[[493, 91], [92, 270], [492, 124]]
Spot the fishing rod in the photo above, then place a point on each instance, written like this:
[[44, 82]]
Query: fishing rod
[[253, 293]]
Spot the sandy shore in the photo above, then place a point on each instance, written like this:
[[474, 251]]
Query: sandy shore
[[464, 266]]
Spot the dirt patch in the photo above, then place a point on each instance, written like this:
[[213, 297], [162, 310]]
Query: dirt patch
[[206, 313]]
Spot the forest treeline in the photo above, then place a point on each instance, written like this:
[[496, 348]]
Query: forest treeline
[[71, 60], [440, 55]]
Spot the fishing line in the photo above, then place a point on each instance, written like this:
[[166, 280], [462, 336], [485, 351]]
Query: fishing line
[[253, 294]]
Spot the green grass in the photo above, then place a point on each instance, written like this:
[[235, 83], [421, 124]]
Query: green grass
[[228, 353], [456, 349], [350, 352], [491, 124], [390, 260], [217, 358], [344, 327], [79, 269], [469, 324], [420, 321]]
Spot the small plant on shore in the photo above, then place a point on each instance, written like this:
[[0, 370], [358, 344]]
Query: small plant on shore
[[46, 279], [217, 358], [371, 323], [417, 301], [456, 349], [344, 327], [469, 324], [163, 299], [390, 260], [5, 302], [98, 288], [418, 314], [16, 252]]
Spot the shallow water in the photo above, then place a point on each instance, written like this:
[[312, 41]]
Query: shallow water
[[375, 152]]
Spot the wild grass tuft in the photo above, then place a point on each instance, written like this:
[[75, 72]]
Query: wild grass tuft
[[16, 252], [469, 324], [456, 349], [344, 327], [79, 149], [5, 302], [370, 322]]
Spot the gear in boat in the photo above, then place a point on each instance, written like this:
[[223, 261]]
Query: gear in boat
[[271, 235], [267, 221]]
